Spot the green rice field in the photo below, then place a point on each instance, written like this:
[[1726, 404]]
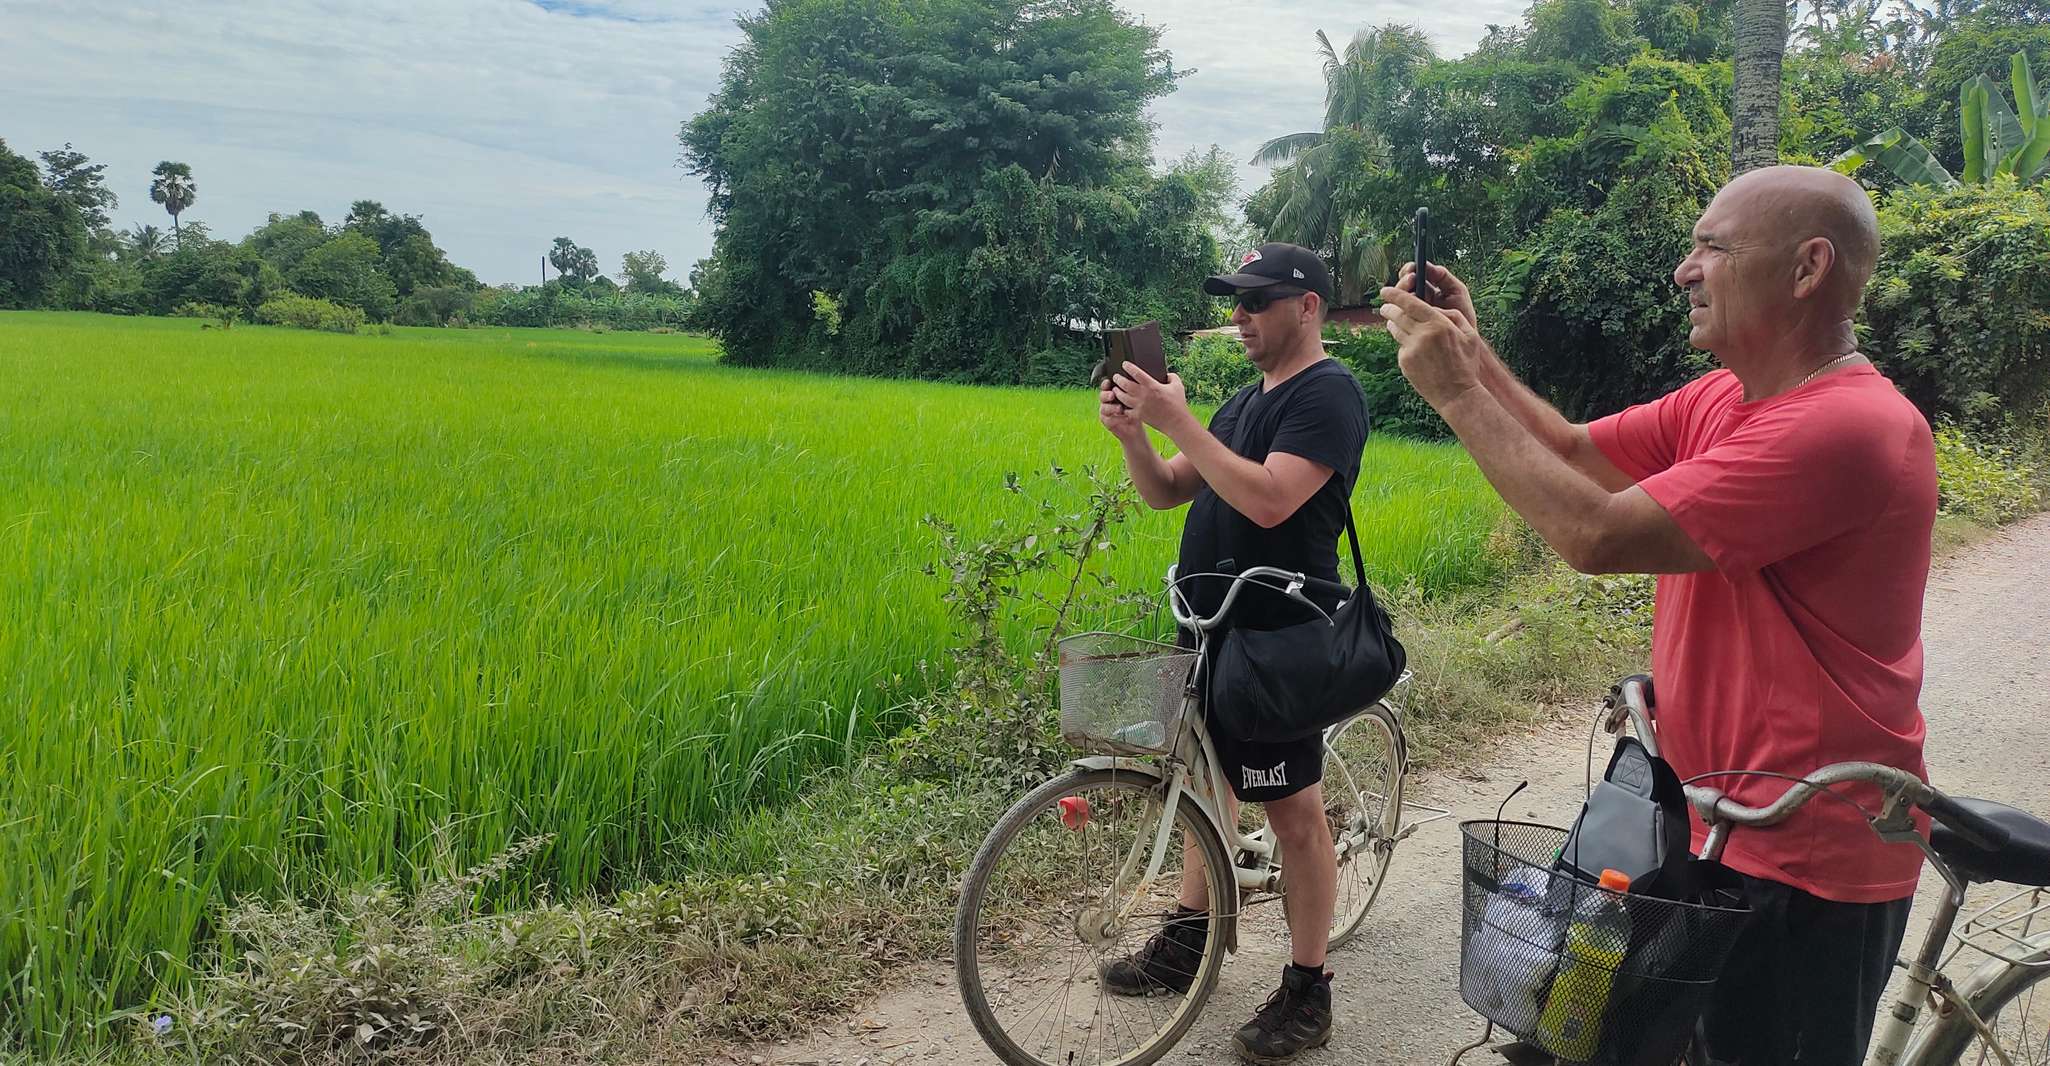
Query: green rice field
[[286, 609]]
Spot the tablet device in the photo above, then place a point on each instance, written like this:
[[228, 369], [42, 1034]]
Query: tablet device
[[1140, 345]]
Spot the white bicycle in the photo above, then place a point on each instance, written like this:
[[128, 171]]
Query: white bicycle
[[1086, 867], [1989, 1016]]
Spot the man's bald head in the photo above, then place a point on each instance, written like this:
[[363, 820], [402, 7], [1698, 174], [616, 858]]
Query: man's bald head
[[1787, 207]]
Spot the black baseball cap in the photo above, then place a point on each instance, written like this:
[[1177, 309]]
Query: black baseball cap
[[1274, 264]]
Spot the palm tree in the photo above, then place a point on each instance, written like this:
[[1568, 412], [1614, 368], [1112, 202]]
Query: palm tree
[[1361, 87], [1761, 32], [175, 189], [145, 242]]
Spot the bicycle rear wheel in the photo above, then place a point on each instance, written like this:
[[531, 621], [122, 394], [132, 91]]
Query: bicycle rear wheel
[[1035, 922], [2016, 1007], [1363, 770]]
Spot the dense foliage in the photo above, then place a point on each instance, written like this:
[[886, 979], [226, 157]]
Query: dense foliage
[[1959, 312], [944, 188], [1565, 160]]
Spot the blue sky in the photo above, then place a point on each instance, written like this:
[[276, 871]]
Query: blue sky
[[505, 123]]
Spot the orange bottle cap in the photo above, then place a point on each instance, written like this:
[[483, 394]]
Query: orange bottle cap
[[1615, 880]]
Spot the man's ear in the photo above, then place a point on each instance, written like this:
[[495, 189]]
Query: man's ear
[[1814, 264]]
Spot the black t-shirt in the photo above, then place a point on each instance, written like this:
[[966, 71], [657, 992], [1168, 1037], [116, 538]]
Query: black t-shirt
[[1319, 414]]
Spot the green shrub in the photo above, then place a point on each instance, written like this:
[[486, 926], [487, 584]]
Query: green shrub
[[1393, 407], [197, 309], [1955, 314], [1983, 481], [1212, 368], [309, 312]]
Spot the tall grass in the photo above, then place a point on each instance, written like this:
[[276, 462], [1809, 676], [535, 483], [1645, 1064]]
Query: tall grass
[[285, 608]]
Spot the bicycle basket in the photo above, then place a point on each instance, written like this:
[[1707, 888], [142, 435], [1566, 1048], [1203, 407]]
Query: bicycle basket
[[1122, 695], [1589, 975]]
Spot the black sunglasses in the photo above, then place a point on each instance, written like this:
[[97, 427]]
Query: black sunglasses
[[1254, 301]]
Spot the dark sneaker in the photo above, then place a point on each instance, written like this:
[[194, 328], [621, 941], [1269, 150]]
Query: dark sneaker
[[1296, 1018], [1168, 961]]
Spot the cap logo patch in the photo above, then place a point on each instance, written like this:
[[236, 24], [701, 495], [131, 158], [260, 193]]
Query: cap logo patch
[[1251, 257], [1296, 272]]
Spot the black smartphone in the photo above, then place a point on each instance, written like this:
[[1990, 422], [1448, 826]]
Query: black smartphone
[[1421, 287]]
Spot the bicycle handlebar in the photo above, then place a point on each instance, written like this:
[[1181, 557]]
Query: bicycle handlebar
[[1714, 806], [1294, 584], [1631, 700]]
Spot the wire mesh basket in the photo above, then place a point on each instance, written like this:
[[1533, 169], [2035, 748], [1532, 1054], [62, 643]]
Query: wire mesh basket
[[1122, 695], [1589, 975]]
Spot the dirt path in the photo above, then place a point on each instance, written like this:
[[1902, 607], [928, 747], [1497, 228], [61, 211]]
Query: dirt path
[[1987, 700]]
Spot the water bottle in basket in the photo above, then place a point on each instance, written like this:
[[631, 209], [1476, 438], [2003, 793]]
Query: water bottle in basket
[[1571, 1024]]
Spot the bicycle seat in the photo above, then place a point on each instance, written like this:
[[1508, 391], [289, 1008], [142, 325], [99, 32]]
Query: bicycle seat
[[2024, 861]]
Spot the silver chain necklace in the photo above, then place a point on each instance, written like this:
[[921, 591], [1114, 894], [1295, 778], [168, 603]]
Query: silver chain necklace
[[1817, 372]]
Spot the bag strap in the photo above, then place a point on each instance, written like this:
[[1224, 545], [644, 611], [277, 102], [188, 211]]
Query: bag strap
[[1358, 568]]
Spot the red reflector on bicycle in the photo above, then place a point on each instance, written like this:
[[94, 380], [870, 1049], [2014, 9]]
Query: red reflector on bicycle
[[1074, 811]]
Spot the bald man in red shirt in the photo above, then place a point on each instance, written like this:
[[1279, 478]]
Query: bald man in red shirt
[[1785, 501]]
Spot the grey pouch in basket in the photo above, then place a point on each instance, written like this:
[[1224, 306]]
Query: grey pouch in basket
[[1635, 821]]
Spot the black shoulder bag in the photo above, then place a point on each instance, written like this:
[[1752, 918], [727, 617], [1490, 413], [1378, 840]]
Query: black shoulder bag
[[1275, 685]]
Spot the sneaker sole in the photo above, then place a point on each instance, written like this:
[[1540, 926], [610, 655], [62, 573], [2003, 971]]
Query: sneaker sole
[[1142, 993], [1257, 1059]]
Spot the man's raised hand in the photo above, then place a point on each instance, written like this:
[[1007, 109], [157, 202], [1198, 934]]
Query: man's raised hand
[[1441, 351], [1116, 417], [1446, 290], [1160, 404]]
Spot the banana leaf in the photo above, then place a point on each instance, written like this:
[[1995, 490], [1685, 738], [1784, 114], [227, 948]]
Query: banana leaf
[[2032, 159], [2027, 101], [1971, 107], [1900, 152]]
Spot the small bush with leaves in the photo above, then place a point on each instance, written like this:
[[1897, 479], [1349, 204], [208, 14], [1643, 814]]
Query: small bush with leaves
[[1212, 368], [1982, 481], [309, 312], [995, 721]]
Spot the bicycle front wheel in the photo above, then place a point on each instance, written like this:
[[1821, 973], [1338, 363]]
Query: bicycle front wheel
[[1363, 769], [1058, 892]]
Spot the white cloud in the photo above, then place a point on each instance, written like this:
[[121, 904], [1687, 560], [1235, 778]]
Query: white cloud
[[505, 123]]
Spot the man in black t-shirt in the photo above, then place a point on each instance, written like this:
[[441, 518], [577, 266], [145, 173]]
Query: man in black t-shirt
[[1268, 484]]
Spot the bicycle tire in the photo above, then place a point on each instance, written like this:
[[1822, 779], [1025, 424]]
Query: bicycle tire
[[1378, 796], [968, 918], [1996, 988]]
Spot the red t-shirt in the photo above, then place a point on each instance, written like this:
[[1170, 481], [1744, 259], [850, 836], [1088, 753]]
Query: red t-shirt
[[1803, 646]]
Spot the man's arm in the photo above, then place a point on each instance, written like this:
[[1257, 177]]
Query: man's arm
[[1265, 493], [1596, 529], [1567, 440], [1162, 483]]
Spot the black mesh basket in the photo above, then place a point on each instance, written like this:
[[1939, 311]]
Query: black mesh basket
[[1589, 975]]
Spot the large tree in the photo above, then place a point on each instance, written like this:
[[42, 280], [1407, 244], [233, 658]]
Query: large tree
[[643, 272], [946, 187], [71, 175], [174, 188], [572, 260], [42, 234], [346, 271], [1761, 33]]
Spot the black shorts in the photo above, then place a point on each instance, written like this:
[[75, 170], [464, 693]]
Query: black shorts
[[1804, 979], [1261, 772]]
